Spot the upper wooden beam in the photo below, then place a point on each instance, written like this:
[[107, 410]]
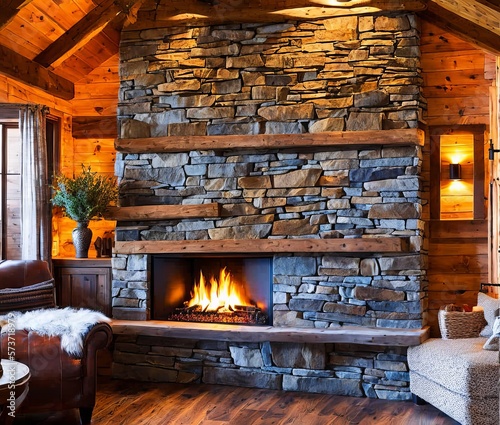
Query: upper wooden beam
[[162, 212], [269, 246], [339, 139], [175, 12], [9, 9], [33, 74], [481, 30]]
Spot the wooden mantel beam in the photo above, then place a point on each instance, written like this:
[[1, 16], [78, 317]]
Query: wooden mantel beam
[[338, 139], [269, 246], [33, 74], [162, 212]]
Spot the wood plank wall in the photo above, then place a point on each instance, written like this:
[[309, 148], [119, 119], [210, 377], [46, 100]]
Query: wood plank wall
[[89, 142], [93, 130], [457, 82]]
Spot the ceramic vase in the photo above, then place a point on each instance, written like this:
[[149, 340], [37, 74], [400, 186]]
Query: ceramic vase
[[82, 236]]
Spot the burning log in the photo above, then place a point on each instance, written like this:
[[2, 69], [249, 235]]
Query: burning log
[[247, 315]]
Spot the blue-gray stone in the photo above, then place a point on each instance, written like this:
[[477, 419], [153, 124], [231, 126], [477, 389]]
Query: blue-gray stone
[[375, 173], [294, 266]]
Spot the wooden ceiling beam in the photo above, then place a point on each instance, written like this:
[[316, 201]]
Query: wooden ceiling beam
[[97, 18], [22, 69], [478, 13], [175, 12], [463, 28], [495, 6], [9, 9]]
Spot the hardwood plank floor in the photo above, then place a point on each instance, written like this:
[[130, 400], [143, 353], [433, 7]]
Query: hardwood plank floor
[[145, 403]]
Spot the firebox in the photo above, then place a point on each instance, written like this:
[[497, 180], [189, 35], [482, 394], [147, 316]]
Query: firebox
[[212, 288]]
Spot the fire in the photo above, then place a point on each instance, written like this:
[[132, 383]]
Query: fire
[[221, 294]]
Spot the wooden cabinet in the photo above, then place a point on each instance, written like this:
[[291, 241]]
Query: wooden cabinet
[[84, 282]]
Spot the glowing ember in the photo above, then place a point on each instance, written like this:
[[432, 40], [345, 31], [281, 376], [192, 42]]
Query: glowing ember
[[221, 295]]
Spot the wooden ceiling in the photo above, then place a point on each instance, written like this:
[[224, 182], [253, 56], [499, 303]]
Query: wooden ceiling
[[53, 44]]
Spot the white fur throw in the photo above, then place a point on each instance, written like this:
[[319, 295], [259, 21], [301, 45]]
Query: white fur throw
[[70, 324]]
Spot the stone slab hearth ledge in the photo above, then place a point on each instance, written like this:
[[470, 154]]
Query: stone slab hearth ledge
[[222, 332]]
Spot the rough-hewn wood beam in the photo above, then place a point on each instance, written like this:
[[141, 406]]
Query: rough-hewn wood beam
[[102, 14], [236, 246], [162, 212], [173, 12], [221, 332], [464, 21], [347, 139], [495, 4], [9, 9], [22, 69], [473, 11]]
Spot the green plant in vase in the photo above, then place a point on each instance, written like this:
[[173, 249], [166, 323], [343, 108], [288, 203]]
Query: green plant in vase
[[83, 198]]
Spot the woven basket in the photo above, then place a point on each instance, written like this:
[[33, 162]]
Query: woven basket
[[460, 324]]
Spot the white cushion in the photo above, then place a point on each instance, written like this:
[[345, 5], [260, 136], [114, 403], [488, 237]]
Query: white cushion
[[491, 308]]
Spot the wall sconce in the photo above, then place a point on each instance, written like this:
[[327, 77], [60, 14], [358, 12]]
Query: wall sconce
[[492, 151], [455, 172]]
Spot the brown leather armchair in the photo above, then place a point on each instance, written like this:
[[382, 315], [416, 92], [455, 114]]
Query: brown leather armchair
[[58, 380]]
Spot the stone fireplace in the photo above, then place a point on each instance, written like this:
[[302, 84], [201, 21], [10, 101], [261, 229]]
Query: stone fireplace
[[295, 141], [212, 289]]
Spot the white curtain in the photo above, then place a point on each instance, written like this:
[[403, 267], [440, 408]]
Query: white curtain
[[35, 190]]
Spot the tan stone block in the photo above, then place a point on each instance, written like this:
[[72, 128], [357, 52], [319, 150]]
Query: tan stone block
[[187, 129], [247, 61], [338, 180], [370, 293], [180, 85], [257, 182], [298, 178], [289, 112], [269, 202], [338, 103], [293, 228], [369, 267], [230, 50]]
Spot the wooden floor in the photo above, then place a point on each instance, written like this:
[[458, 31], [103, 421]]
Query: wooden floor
[[136, 403]]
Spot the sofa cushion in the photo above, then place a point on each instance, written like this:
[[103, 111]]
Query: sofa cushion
[[460, 365], [491, 308], [38, 295]]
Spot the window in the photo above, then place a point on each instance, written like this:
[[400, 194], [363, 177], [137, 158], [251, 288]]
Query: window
[[10, 177], [10, 190]]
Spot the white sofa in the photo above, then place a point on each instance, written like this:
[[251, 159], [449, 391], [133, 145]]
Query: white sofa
[[458, 377]]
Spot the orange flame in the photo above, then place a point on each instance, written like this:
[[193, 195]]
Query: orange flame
[[218, 295]]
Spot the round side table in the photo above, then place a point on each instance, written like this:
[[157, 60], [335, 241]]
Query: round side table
[[13, 389]]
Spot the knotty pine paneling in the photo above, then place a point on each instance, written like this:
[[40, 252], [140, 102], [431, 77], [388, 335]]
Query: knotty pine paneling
[[458, 263], [457, 77]]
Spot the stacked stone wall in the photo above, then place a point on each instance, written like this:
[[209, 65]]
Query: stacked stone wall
[[350, 73], [340, 194], [342, 369], [341, 74]]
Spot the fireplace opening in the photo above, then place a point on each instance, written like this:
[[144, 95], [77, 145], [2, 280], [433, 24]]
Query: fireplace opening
[[213, 289]]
